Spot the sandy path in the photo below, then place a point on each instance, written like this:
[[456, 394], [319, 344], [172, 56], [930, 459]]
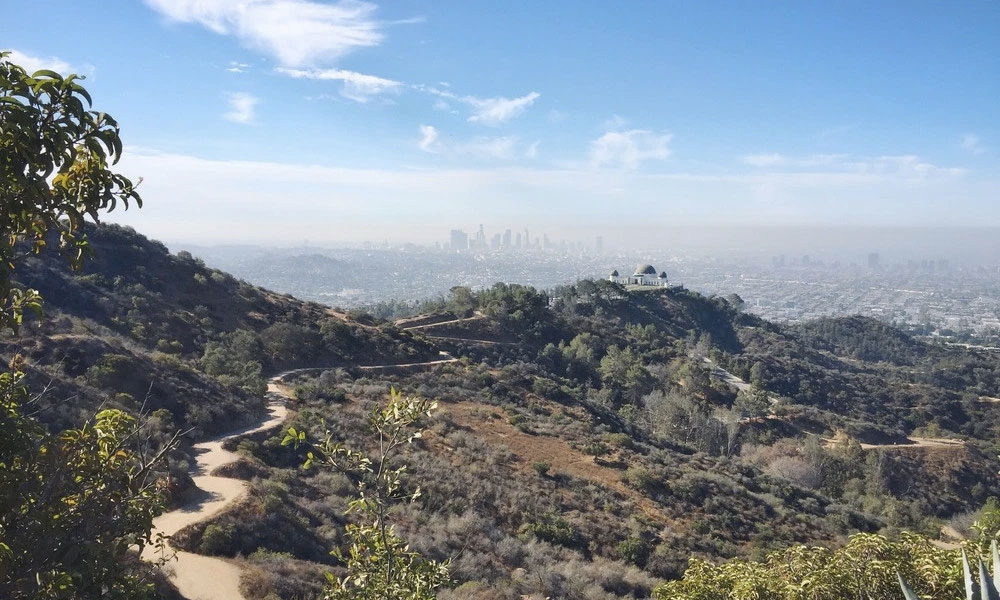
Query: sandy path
[[470, 340], [727, 377], [445, 359], [451, 322], [200, 577], [914, 443], [918, 442], [561, 456]]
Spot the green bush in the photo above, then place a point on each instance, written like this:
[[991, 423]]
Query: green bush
[[634, 550], [639, 478], [216, 540], [555, 530], [619, 440], [541, 467]]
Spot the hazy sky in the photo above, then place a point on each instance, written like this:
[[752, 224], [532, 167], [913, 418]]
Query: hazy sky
[[278, 120]]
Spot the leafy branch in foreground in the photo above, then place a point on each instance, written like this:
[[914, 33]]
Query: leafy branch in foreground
[[73, 504], [984, 589], [378, 563], [866, 568], [54, 157]]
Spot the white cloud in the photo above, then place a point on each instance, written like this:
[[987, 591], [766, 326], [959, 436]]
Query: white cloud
[[295, 32], [493, 111], [973, 144], [357, 86], [615, 123], [488, 111], [629, 148], [556, 116], [429, 136], [482, 148], [764, 160], [532, 150], [237, 67], [775, 159], [32, 63], [242, 107], [904, 166], [487, 148]]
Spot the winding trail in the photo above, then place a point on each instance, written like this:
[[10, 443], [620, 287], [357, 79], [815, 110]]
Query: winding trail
[[200, 577], [470, 340], [439, 323], [727, 377], [915, 442]]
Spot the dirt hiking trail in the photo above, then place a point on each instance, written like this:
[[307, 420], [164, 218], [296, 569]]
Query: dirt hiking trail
[[200, 577]]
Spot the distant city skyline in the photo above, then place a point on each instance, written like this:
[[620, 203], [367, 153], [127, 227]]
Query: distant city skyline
[[346, 121], [923, 293], [924, 249]]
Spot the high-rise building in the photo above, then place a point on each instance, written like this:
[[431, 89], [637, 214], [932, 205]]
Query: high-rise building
[[459, 240], [506, 239], [481, 238], [517, 240], [873, 260]]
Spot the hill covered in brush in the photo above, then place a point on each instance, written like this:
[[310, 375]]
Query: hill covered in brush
[[591, 440], [138, 326]]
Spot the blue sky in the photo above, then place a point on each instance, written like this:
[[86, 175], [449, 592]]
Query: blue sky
[[277, 120]]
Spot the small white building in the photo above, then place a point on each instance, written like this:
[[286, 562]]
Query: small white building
[[644, 275]]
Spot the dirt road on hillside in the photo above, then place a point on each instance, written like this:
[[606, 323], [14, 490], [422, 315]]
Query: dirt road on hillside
[[439, 323]]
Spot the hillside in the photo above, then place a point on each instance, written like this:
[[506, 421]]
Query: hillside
[[140, 328], [589, 441], [586, 447]]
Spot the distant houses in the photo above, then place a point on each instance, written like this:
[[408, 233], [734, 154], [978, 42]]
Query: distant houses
[[644, 275]]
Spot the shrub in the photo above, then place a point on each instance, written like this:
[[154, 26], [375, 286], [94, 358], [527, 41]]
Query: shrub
[[635, 550], [541, 467], [216, 540], [619, 440], [639, 478], [555, 530]]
